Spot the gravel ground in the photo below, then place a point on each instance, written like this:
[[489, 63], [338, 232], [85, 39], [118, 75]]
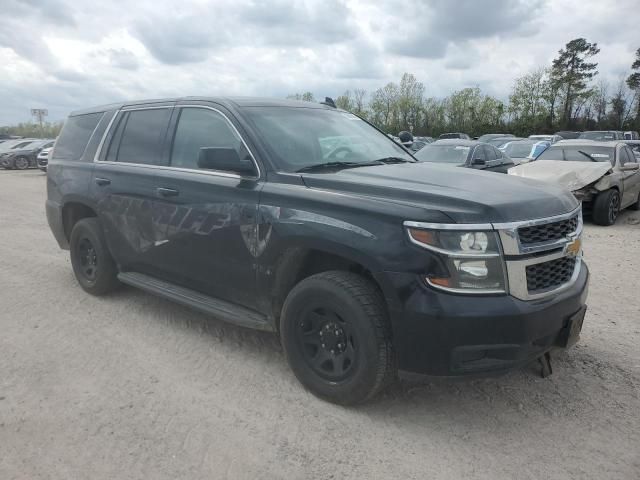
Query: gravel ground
[[131, 386]]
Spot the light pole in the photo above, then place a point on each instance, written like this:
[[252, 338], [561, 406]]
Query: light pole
[[39, 114]]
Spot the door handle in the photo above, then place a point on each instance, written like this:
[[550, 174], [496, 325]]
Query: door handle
[[102, 181], [167, 192]]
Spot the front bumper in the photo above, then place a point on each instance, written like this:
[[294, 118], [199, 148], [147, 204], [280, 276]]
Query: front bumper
[[439, 333]]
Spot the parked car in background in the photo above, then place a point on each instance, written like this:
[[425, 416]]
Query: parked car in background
[[24, 157], [523, 151], [362, 260], [43, 158], [601, 135], [635, 146], [500, 141], [15, 144], [417, 145], [546, 138], [424, 139], [465, 153], [463, 136], [631, 135], [568, 134], [489, 136], [603, 175]]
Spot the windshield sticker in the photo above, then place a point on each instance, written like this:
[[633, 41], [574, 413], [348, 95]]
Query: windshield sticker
[[599, 155], [461, 148]]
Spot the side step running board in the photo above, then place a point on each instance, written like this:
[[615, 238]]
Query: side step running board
[[218, 308]]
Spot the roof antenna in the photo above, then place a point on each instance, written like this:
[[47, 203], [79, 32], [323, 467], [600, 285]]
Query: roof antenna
[[328, 101]]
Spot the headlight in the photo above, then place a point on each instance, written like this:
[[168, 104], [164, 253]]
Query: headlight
[[472, 258]]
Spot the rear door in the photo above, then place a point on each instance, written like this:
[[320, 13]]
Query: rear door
[[206, 225], [124, 182]]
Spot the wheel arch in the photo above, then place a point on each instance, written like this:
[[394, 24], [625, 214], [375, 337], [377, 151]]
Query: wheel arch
[[297, 262], [73, 211]]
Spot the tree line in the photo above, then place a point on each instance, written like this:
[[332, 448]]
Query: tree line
[[560, 96]]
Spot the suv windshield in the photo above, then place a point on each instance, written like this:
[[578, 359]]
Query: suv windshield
[[519, 149], [578, 153], [602, 136], [304, 137], [443, 154]]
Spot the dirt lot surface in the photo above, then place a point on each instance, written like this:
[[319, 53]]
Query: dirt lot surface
[[130, 386]]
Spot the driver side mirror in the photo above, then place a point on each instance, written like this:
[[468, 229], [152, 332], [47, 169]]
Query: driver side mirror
[[225, 159]]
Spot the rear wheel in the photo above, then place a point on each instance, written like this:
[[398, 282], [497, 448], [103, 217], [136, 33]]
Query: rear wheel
[[21, 163], [335, 332], [92, 264], [606, 207]]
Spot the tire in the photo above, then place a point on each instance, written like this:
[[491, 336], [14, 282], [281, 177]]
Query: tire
[[7, 164], [21, 163], [92, 263], [606, 207], [335, 333]]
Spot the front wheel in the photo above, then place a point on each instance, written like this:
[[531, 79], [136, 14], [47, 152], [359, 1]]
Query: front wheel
[[92, 264], [21, 163], [606, 207], [335, 333]]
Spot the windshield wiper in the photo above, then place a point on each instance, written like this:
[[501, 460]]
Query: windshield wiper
[[330, 165], [587, 155], [389, 160]]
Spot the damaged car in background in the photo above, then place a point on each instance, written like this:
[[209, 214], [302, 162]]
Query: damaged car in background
[[604, 176]]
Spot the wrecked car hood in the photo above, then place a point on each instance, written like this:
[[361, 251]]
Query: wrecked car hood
[[571, 175]]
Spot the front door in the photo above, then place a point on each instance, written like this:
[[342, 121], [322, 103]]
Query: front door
[[205, 220], [630, 178]]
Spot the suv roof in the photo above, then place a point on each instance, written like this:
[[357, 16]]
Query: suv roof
[[227, 101]]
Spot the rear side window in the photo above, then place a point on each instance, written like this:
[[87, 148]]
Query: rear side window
[[75, 135], [200, 128], [139, 135]]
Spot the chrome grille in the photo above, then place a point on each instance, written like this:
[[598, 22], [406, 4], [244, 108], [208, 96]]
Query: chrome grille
[[549, 275], [548, 231]]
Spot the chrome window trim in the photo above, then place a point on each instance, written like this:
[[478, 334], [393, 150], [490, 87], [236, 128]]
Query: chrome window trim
[[176, 169], [217, 173]]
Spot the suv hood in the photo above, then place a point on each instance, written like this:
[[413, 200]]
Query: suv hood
[[570, 175], [464, 195]]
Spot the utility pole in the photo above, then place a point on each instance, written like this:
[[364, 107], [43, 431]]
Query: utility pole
[[39, 114]]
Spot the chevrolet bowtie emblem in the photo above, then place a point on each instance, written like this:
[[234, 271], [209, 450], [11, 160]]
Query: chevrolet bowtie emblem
[[573, 249]]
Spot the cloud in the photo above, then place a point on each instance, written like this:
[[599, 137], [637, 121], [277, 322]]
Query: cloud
[[65, 54], [449, 23]]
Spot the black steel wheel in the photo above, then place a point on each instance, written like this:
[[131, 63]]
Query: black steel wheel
[[92, 264], [327, 343], [335, 332]]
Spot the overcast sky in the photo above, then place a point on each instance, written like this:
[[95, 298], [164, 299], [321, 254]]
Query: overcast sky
[[68, 54]]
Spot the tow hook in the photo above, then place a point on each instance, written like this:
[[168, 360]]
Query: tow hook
[[545, 363]]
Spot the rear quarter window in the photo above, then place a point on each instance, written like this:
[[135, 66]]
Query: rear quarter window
[[75, 136]]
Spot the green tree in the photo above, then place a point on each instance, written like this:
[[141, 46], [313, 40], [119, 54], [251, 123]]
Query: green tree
[[528, 108], [305, 97], [571, 72], [633, 82]]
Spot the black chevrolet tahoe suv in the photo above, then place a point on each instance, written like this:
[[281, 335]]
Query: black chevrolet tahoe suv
[[305, 220]]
